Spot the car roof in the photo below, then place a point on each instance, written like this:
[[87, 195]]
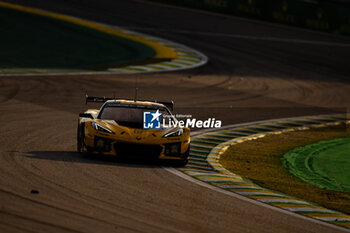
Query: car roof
[[132, 102]]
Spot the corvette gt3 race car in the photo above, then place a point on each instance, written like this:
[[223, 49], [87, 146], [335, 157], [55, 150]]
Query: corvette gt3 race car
[[119, 129]]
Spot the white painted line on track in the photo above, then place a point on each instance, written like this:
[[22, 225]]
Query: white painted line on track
[[260, 194], [239, 187], [307, 209], [283, 200]]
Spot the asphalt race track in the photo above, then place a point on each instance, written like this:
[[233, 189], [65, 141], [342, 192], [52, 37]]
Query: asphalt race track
[[256, 71]]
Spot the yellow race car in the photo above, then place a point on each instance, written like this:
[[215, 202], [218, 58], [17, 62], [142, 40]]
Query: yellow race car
[[129, 128]]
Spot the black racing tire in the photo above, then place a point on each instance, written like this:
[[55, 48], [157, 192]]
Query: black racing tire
[[184, 161], [80, 138], [187, 153], [179, 163]]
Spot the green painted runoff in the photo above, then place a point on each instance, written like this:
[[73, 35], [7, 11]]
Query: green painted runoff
[[325, 164], [38, 42]]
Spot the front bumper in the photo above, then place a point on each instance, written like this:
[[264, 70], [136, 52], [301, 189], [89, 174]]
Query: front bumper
[[170, 150]]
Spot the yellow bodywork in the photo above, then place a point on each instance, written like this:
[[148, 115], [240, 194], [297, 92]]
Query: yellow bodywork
[[133, 137]]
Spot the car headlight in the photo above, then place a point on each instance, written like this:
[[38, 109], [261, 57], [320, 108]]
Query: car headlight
[[175, 133], [101, 128]]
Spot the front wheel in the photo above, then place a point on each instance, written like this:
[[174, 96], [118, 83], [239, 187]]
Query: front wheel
[[185, 160], [80, 138]]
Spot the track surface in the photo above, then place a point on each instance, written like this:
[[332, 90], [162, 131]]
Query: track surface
[[249, 79]]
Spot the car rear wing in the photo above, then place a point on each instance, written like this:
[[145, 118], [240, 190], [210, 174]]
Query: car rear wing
[[169, 105], [94, 99]]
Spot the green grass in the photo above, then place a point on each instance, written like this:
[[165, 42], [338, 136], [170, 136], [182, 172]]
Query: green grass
[[325, 164], [261, 161]]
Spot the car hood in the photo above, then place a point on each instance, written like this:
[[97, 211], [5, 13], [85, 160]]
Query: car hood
[[133, 132]]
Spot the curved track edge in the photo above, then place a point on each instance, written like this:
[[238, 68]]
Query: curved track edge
[[177, 56], [204, 166]]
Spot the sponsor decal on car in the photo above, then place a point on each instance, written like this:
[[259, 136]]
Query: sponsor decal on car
[[155, 119], [151, 120], [193, 123]]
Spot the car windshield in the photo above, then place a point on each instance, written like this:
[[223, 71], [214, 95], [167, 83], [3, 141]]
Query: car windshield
[[131, 116]]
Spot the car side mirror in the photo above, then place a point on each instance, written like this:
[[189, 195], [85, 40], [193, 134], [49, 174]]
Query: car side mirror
[[86, 115]]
